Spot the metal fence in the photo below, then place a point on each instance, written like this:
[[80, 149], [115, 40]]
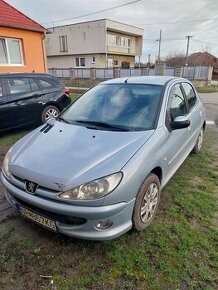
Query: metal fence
[[191, 73]]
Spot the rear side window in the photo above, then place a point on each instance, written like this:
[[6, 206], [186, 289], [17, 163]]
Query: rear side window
[[19, 85], [34, 85], [177, 102], [190, 94], [45, 84]]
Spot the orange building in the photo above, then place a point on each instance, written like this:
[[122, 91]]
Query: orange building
[[21, 42]]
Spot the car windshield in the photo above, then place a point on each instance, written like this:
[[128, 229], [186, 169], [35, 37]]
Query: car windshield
[[123, 107]]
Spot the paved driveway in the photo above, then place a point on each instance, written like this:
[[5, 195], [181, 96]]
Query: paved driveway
[[211, 103]]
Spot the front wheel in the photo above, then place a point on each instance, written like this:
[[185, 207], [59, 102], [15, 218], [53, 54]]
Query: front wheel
[[147, 201], [198, 145], [49, 112]]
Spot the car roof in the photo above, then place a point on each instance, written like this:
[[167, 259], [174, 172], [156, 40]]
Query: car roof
[[25, 74], [151, 80]]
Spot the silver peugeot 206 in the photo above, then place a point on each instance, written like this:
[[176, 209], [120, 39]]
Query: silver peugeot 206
[[97, 170]]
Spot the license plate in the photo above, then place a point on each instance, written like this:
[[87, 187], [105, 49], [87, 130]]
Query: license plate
[[50, 224]]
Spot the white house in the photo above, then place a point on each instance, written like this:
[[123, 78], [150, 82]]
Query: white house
[[94, 44]]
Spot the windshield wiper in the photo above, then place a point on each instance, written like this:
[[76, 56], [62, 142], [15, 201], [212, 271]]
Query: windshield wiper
[[102, 125], [63, 120]]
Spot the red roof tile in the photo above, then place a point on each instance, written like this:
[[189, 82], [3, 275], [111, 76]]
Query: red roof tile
[[11, 17]]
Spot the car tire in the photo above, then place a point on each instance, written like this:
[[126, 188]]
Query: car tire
[[147, 201], [198, 145], [49, 112]]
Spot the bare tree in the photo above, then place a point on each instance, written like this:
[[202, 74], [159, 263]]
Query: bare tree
[[175, 59]]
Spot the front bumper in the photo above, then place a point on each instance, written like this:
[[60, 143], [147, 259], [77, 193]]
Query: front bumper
[[119, 214]]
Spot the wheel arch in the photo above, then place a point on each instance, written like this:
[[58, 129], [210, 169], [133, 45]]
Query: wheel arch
[[158, 171], [51, 103]]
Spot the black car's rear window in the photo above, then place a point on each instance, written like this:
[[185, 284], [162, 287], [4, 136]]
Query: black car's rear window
[[48, 82]]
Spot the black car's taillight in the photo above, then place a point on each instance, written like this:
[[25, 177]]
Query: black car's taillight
[[66, 91]]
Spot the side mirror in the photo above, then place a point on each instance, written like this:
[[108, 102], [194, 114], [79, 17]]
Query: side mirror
[[180, 122]]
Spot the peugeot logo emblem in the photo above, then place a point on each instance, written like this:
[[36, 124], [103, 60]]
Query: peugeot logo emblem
[[30, 186]]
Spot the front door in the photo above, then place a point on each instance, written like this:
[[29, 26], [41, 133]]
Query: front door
[[177, 143], [110, 63]]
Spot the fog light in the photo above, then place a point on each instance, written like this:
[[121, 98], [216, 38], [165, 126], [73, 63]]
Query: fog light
[[104, 225]]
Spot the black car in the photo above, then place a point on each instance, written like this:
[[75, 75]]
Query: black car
[[30, 99]]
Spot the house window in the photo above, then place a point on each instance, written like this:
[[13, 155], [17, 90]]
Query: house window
[[116, 40], [63, 43], [111, 40], [10, 52], [125, 42], [93, 59], [80, 61]]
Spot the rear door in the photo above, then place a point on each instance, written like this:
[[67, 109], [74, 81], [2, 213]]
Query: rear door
[[4, 117], [52, 89], [24, 100]]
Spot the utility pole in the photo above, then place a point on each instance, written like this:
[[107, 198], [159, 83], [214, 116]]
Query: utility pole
[[149, 60], [159, 40], [187, 48]]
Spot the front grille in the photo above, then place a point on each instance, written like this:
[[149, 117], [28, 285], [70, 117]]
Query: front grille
[[39, 187], [69, 220]]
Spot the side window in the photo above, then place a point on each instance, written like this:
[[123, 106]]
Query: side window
[[190, 94], [19, 85], [34, 85], [177, 103], [45, 84]]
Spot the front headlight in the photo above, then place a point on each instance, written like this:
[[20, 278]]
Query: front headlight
[[94, 189], [5, 165]]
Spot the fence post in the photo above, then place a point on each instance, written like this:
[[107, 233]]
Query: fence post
[[178, 72], [93, 73], [209, 73], [194, 73], [72, 75], [116, 72], [160, 69], [145, 71]]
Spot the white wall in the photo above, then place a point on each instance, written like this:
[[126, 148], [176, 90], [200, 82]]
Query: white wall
[[82, 38]]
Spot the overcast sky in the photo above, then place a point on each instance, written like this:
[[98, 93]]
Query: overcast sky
[[176, 18]]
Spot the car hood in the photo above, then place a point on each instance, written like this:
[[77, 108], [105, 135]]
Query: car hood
[[69, 155]]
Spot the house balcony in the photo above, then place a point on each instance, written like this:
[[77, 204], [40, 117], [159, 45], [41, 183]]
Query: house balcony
[[120, 50]]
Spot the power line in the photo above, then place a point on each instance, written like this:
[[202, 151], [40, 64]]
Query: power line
[[177, 22], [92, 13], [198, 40], [170, 39], [152, 48]]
